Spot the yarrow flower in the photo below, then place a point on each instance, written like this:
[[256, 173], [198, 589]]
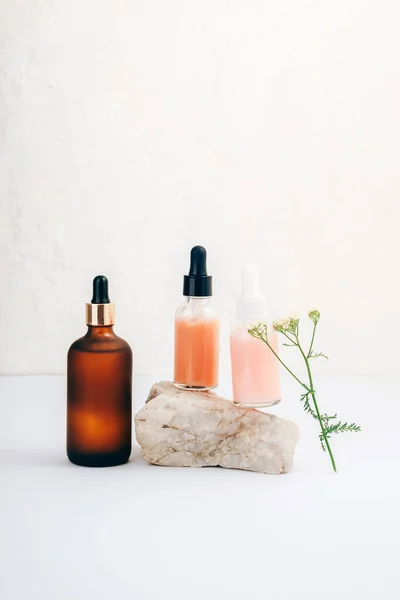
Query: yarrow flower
[[280, 324], [314, 315], [260, 330], [289, 327], [288, 324]]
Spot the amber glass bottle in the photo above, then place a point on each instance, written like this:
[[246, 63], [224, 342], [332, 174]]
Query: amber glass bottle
[[99, 389]]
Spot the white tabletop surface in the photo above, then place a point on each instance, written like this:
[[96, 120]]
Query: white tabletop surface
[[144, 532]]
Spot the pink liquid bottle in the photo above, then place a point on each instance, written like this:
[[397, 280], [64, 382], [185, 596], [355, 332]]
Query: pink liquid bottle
[[255, 369]]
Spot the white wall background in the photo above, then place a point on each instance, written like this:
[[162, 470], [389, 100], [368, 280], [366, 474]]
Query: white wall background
[[131, 130]]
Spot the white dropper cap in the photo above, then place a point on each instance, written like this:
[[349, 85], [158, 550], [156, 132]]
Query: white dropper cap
[[251, 303]]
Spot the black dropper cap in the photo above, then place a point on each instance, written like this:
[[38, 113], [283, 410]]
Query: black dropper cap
[[197, 283], [100, 290]]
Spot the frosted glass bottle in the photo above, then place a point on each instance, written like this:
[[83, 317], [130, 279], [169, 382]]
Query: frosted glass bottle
[[99, 388], [255, 369]]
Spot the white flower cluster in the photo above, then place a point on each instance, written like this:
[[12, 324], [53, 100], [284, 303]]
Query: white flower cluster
[[287, 324], [281, 324], [314, 315], [260, 329]]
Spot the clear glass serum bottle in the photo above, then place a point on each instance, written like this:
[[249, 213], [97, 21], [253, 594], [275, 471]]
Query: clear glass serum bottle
[[197, 329]]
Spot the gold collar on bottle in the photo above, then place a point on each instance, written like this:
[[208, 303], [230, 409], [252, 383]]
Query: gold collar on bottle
[[100, 314]]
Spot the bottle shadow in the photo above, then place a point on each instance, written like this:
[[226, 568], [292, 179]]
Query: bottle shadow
[[43, 458], [39, 458]]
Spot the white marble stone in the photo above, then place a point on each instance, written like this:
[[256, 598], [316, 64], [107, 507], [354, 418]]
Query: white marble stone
[[180, 428]]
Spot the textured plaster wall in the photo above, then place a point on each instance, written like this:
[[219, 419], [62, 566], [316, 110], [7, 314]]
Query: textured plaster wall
[[267, 131]]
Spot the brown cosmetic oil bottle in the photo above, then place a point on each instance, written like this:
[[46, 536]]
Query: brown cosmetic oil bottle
[[99, 389]]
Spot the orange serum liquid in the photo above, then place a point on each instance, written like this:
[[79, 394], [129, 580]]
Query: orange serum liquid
[[197, 329]]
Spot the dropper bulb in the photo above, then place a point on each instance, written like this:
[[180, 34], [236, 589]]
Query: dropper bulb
[[198, 261], [100, 290], [197, 283], [250, 284], [251, 303]]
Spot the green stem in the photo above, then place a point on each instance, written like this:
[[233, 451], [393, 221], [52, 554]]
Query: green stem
[[312, 341], [265, 340], [289, 338], [312, 392]]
